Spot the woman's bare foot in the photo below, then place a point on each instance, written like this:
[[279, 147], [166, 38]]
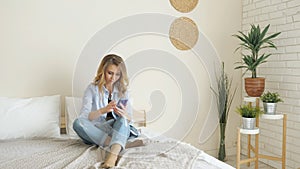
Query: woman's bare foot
[[110, 161], [112, 156]]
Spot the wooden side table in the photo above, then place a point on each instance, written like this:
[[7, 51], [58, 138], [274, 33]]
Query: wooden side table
[[251, 101], [282, 117], [238, 148]]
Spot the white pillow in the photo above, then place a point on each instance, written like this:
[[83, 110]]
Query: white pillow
[[73, 106], [29, 117]]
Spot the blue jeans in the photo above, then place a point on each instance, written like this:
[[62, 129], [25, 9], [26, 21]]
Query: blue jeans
[[118, 130]]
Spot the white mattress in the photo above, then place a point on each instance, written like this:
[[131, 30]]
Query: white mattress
[[158, 152]]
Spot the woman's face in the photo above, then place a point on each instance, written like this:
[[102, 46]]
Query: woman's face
[[112, 74]]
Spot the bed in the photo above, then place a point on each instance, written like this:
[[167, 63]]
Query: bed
[[46, 147]]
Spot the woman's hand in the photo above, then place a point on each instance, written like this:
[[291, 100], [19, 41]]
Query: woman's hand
[[109, 108], [122, 111]]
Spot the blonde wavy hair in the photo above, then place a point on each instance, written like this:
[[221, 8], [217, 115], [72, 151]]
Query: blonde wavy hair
[[122, 82]]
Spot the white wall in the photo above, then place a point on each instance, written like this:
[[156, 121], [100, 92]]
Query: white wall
[[41, 42], [282, 73]]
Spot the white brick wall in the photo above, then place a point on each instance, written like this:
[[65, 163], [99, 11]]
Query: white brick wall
[[282, 73]]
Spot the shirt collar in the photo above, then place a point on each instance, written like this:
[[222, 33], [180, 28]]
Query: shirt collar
[[115, 90]]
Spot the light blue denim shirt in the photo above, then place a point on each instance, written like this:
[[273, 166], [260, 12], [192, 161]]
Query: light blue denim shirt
[[93, 100]]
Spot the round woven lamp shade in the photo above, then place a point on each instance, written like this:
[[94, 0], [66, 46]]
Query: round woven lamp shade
[[184, 5], [183, 33]]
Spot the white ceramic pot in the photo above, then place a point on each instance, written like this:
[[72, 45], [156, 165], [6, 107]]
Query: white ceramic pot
[[270, 108], [249, 123]]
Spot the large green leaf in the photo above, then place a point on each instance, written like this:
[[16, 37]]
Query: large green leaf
[[255, 40]]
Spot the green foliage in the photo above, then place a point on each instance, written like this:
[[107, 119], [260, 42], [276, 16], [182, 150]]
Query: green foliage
[[249, 111], [224, 95], [270, 97], [253, 42]]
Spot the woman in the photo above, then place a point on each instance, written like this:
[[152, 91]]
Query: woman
[[101, 121]]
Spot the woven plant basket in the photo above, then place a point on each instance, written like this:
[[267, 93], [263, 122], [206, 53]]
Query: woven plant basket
[[255, 86]]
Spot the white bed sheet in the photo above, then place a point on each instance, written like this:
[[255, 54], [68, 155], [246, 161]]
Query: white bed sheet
[[166, 152], [158, 152]]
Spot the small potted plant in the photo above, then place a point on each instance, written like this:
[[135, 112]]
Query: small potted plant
[[270, 100], [249, 115], [252, 44]]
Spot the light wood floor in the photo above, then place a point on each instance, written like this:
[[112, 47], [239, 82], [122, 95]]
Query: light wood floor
[[231, 160]]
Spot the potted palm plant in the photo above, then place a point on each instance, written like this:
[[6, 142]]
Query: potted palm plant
[[249, 115], [252, 43], [270, 100], [224, 96]]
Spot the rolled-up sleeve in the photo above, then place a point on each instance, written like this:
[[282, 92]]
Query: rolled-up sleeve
[[87, 102]]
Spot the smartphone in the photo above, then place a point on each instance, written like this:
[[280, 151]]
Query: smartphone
[[123, 101]]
